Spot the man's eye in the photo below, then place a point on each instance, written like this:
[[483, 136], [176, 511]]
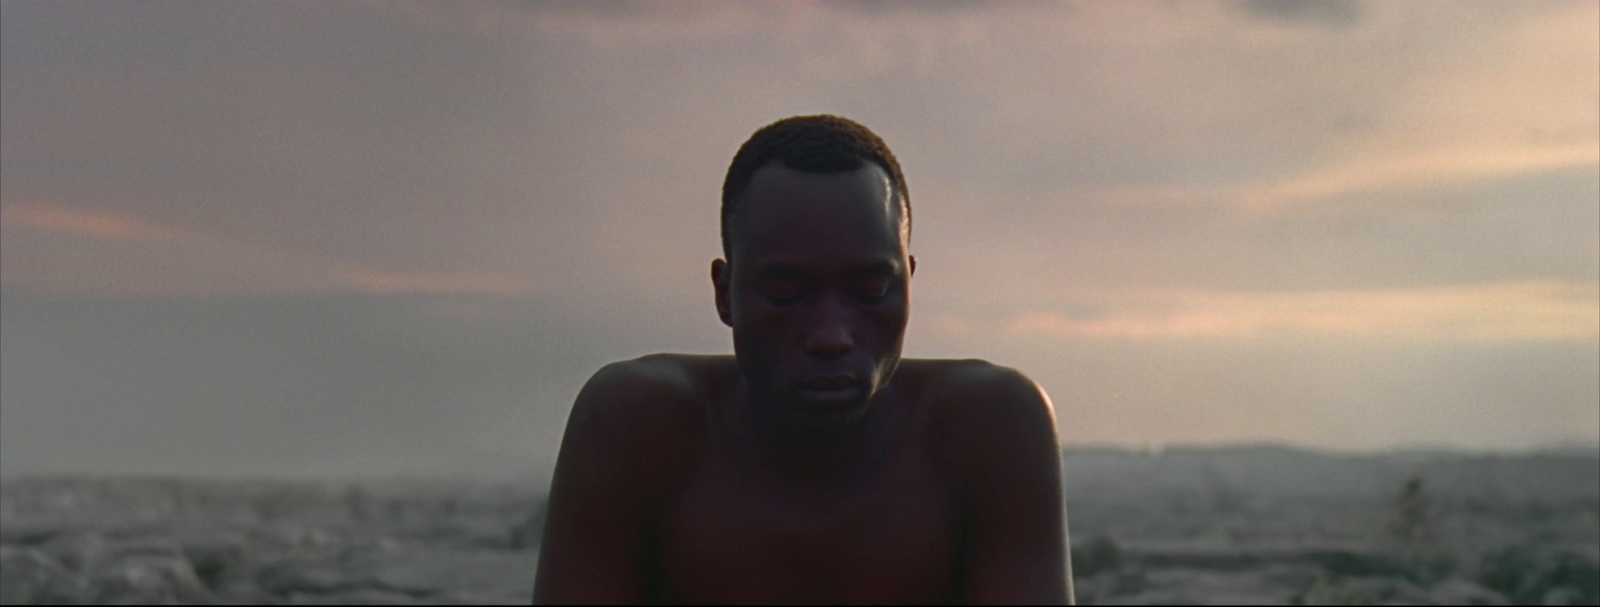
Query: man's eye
[[782, 293], [873, 291], [784, 301]]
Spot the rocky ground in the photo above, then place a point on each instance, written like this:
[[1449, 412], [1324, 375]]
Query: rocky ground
[[162, 541], [1281, 526], [1246, 525]]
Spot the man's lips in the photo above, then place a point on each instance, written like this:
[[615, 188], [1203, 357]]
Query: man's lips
[[834, 390]]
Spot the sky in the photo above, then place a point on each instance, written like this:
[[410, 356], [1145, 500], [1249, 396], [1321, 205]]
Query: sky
[[389, 238]]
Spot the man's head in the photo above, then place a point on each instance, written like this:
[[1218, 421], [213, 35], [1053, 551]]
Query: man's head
[[816, 281]]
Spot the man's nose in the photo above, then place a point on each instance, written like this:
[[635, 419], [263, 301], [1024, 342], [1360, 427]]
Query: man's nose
[[830, 336]]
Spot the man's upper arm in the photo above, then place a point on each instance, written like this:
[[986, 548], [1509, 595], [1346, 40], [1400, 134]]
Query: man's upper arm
[[1016, 521], [607, 478]]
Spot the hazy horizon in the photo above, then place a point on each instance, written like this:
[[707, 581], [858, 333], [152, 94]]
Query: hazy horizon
[[316, 238]]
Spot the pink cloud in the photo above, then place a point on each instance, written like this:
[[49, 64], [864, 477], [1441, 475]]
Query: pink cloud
[[84, 223], [153, 259], [1523, 310]]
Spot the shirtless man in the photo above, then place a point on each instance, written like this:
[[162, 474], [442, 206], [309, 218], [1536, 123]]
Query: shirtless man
[[813, 465]]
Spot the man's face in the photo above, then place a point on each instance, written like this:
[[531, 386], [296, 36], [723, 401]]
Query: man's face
[[818, 291]]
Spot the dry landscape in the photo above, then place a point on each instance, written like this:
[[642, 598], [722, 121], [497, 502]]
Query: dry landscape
[[1261, 525]]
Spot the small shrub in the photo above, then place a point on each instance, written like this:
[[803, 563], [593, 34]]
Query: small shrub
[[1414, 514]]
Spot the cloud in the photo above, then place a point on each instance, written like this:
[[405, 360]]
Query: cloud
[[1428, 169], [393, 282], [1358, 175], [583, 152], [95, 225], [1524, 310], [1421, 98], [143, 257], [1188, 219], [1327, 13], [606, 23]]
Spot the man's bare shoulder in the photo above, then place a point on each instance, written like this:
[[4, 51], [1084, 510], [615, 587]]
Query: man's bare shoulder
[[977, 407], [641, 393], [996, 432], [974, 386], [666, 375], [633, 435]]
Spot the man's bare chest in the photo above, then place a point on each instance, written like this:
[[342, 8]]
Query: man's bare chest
[[729, 537]]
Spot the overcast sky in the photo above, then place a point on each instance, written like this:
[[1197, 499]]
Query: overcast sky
[[319, 238]]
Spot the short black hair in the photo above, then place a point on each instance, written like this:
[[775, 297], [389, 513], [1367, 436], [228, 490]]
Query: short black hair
[[815, 144]]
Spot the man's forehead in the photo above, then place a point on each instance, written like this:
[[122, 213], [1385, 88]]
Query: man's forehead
[[803, 212], [777, 181]]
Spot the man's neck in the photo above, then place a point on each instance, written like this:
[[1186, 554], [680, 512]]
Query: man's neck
[[814, 457]]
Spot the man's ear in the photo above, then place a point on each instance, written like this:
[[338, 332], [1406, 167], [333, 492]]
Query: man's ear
[[721, 274], [913, 271]]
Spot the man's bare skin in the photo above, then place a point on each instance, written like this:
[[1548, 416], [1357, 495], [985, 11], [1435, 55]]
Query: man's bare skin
[[813, 465]]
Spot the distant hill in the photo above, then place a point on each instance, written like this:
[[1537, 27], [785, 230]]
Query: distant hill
[[1286, 471]]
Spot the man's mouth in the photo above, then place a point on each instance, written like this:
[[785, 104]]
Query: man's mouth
[[832, 390]]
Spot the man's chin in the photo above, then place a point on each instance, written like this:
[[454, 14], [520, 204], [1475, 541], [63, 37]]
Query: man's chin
[[825, 416]]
